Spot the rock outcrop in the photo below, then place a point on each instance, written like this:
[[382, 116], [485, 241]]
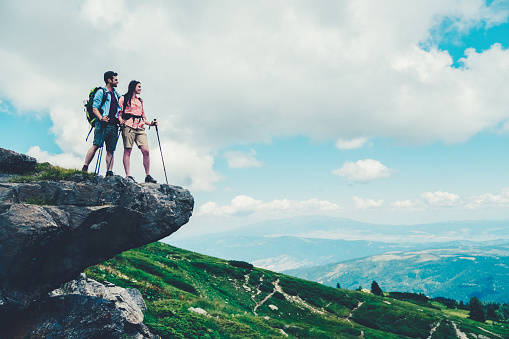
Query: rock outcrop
[[15, 163], [82, 308], [50, 231], [127, 300]]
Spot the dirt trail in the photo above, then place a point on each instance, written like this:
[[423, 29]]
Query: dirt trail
[[351, 312], [460, 334], [266, 298], [433, 330]]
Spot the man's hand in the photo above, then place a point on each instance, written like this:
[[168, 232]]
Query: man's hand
[[105, 119], [121, 121]]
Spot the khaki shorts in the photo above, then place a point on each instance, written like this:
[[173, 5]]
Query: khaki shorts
[[132, 135]]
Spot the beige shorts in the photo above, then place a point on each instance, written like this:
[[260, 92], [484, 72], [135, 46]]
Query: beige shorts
[[132, 135]]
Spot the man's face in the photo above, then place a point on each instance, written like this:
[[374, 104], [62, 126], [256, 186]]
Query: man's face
[[114, 81]]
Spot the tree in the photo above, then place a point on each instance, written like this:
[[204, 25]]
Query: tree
[[476, 310], [375, 289], [491, 311]]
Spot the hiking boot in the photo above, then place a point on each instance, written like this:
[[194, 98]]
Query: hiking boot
[[149, 179], [84, 168], [131, 178], [109, 173]]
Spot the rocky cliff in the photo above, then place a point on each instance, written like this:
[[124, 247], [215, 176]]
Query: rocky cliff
[[51, 230]]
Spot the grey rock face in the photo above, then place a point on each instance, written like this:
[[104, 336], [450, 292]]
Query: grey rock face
[[12, 162], [69, 316], [128, 301], [80, 223]]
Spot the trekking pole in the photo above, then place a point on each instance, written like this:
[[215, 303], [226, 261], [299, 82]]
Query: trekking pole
[[99, 156], [98, 161], [159, 140]]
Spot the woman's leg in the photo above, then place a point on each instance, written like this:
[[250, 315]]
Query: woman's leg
[[127, 161], [146, 158]]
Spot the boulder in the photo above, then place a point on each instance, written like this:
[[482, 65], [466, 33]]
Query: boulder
[[50, 231], [128, 301], [15, 163], [69, 316]]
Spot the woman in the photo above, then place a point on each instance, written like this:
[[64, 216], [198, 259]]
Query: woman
[[132, 117]]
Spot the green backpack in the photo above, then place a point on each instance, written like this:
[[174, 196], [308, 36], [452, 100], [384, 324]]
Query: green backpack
[[92, 119], [88, 105]]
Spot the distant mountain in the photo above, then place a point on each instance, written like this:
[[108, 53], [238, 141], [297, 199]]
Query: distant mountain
[[189, 295], [286, 252], [317, 240], [324, 227], [459, 273]]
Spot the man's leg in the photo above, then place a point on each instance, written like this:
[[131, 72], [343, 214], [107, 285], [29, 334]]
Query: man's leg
[[127, 161], [146, 158], [90, 155], [109, 160], [111, 145]]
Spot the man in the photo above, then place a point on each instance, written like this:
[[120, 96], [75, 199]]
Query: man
[[106, 128]]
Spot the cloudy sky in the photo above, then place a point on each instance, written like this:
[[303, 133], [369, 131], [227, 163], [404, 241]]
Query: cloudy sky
[[393, 111]]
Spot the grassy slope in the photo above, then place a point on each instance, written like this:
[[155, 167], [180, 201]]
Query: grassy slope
[[172, 280]]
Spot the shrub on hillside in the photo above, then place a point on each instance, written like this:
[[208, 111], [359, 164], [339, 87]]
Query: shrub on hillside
[[410, 324], [279, 296], [266, 288], [241, 264], [218, 269], [449, 303]]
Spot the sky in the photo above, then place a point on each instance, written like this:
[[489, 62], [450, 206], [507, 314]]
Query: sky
[[393, 112]]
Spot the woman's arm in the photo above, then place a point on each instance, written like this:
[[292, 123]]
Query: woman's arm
[[121, 104]]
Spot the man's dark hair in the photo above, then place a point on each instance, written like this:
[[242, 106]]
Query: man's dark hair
[[109, 75]]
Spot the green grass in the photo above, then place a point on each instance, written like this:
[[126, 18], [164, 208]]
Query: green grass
[[46, 171], [173, 280]]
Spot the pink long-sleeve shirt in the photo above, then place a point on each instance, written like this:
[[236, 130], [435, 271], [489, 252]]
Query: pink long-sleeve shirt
[[136, 109]]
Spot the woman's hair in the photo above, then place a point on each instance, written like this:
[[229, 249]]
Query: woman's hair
[[130, 93]]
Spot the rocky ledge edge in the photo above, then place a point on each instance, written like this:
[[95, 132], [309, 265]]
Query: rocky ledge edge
[[50, 231]]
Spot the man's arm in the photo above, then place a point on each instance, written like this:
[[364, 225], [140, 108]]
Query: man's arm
[[97, 104]]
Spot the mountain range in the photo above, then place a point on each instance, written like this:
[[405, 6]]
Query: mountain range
[[461, 259], [459, 273]]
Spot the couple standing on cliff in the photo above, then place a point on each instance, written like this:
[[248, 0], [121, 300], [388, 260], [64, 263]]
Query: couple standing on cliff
[[127, 112]]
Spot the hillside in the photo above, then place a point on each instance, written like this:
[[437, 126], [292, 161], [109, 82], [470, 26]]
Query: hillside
[[459, 273], [190, 295]]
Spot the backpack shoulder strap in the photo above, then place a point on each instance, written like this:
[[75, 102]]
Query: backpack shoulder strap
[[105, 96]]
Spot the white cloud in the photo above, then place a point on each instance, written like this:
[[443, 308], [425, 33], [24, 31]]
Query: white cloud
[[185, 165], [489, 200], [62, 160], [243, 205], [363, 170], [247, 72], [351, 144], [238, 159], [361, 203], [408, 205], [440, 198]]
